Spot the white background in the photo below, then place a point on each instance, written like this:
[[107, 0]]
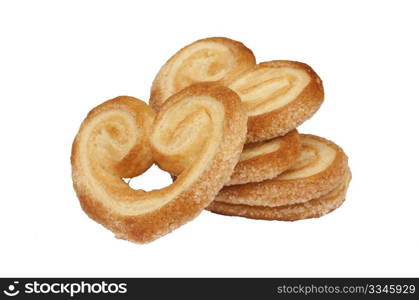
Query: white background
[[59, 59]]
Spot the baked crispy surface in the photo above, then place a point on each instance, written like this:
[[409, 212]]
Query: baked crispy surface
[[279, 96], [266, 160], [311, 209], [211, 59], [112, 129], [319, 169]]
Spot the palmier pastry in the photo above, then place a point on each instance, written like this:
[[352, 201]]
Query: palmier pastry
[[292, 212], [319, 169], [212, 59], [112, 143], [279, 96]]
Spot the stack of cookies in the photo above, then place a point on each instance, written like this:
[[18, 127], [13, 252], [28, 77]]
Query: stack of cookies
[[225, 128], [281, 174]]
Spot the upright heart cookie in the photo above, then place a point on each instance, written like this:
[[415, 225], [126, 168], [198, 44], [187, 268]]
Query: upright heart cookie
[[113, 142]]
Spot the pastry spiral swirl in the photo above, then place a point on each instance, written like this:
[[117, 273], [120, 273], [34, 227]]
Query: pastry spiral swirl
[[213, 59], [279, 96], [113, 142]]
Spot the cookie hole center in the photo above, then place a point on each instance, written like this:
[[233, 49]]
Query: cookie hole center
[[153, 179]]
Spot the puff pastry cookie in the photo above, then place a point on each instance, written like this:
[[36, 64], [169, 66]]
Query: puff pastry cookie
[[212, 59], [113, 143], [319, 169]]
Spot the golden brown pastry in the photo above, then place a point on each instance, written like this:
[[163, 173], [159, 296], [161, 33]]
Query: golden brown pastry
[[211, 59], [113, 136], [319, 169], [279, 96], [311, 209], [265, 160]]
